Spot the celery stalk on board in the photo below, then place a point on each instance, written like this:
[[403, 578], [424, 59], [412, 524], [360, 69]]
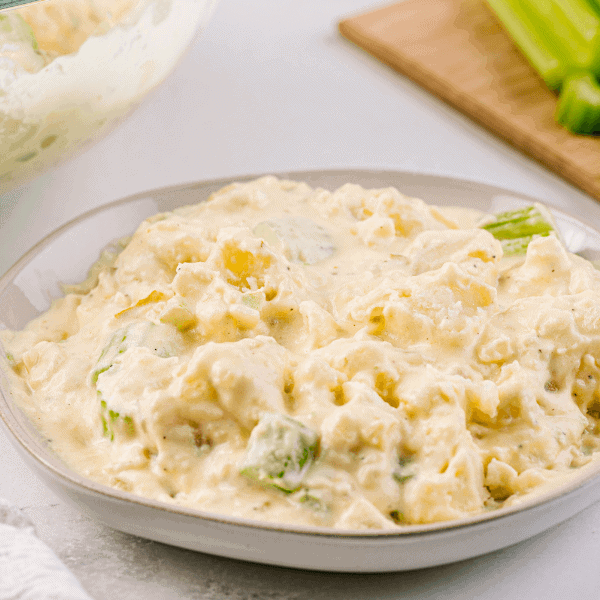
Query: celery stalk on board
[[579, 104], [561, 40]]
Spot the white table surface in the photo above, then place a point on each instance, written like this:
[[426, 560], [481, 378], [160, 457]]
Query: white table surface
[[271, 86]]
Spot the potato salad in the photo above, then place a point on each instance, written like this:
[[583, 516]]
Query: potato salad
[[353, 359]]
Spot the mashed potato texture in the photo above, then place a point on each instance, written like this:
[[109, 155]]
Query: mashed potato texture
[[354, 359]]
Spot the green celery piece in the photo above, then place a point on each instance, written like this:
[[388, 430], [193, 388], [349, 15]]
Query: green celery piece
[[252, 300], [313, 499], [397, 517], [403, 471], [558, 37], [595, 5], [561, 39], [136, 334], [584, 16], [531, 40], [516, 228], [117, 344], [519, 223], [571, 27], [107, 419], [579, 104], [13, 28], [111, 420], [280, 452]]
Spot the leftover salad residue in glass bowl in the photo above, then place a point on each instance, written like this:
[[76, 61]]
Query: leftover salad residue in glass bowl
[[71, 69]]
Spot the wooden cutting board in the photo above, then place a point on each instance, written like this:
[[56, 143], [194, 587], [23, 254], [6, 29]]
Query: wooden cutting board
[[458, 50]]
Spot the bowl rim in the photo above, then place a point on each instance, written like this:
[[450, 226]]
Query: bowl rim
[[576, 481]]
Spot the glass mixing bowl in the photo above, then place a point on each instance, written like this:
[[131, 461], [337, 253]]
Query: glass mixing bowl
[[70, 70]]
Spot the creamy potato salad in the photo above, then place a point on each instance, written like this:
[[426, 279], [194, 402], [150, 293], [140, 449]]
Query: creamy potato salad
[[354, 359]]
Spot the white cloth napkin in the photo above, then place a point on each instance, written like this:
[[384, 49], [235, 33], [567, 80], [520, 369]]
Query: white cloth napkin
[[29, 570]]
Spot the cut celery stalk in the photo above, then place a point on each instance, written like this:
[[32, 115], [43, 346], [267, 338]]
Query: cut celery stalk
[[161, 339], [579, 104], [279, 453], [519, 223], [112, 420], [115, 346], [252, 300], [18, 45], [530, 40], [561, 39], [570, 26], [13, 28], [516, 228], [314, 500], [404, 469]]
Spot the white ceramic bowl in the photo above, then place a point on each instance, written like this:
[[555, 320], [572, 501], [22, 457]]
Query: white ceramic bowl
[[65, 256], [47, 116]]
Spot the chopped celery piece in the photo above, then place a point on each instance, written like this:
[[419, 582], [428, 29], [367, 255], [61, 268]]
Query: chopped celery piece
[[302, 239], [556, 36], [112, 420], [161, 339], [14, 29], [252, 300], [530, 40], [128, 423], [404, 470], [11, 359], [579, 104], [106, 428], [397, 517], [571, 27], [516, 228], [117, 345], [314, 500], [158, 338], [18, 44], [280, 451], [561, 39], [519, 223]]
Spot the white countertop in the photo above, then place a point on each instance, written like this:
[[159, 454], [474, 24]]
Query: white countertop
[[269, 87]]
